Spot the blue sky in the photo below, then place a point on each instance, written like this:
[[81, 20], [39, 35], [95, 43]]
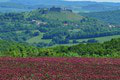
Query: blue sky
[[4, 0], [97, 0], [80, 0]]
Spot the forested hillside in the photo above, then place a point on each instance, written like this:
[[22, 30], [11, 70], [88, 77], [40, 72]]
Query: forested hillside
[[106, 49], [111, 17], [50, 26]]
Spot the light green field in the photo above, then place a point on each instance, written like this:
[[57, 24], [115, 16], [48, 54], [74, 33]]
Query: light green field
[[64, 45], [101, 39], [38, 39]]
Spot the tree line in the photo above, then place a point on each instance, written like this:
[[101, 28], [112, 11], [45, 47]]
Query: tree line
[[106, 49]]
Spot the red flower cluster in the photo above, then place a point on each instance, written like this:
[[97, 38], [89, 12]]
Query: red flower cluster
[[59, 69]]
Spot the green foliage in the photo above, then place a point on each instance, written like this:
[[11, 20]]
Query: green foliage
[[8, 48], [71, 54], [106, 49]]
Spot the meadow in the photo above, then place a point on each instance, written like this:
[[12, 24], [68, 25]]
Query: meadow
[[101, 39], [59, 68]]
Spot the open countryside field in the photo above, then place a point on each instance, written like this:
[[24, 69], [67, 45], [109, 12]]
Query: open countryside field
[[102, 39], [38, 39], [59, 69]]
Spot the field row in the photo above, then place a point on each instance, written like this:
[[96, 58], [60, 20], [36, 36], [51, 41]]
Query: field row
[[59, 69]]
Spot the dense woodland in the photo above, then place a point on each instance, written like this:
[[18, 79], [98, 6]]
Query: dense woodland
[[58, 25], [106, 49]]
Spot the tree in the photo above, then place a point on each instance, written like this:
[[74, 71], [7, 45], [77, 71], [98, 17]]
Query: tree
[[36, 34]]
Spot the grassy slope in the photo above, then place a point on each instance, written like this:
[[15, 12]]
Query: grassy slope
[[63, 16], [38, 39]]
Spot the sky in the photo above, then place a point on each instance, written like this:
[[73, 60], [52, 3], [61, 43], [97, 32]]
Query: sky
[[97, 0], [4, 0], [80, 0]]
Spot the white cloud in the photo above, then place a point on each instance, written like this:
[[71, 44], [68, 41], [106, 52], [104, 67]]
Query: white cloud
[[97, 0]]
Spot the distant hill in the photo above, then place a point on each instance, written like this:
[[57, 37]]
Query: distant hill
[[13, 7], [52, 2], [98, 7], [77, 6], [111, 17], [56, 14]]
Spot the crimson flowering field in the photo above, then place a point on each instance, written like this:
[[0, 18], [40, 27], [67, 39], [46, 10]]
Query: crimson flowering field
[[59, 69]]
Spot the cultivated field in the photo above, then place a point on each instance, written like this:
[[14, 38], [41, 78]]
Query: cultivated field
[[59, 69]]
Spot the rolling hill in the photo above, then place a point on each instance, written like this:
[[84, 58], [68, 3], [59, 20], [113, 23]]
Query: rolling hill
[[110, 17], [51, 26]]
